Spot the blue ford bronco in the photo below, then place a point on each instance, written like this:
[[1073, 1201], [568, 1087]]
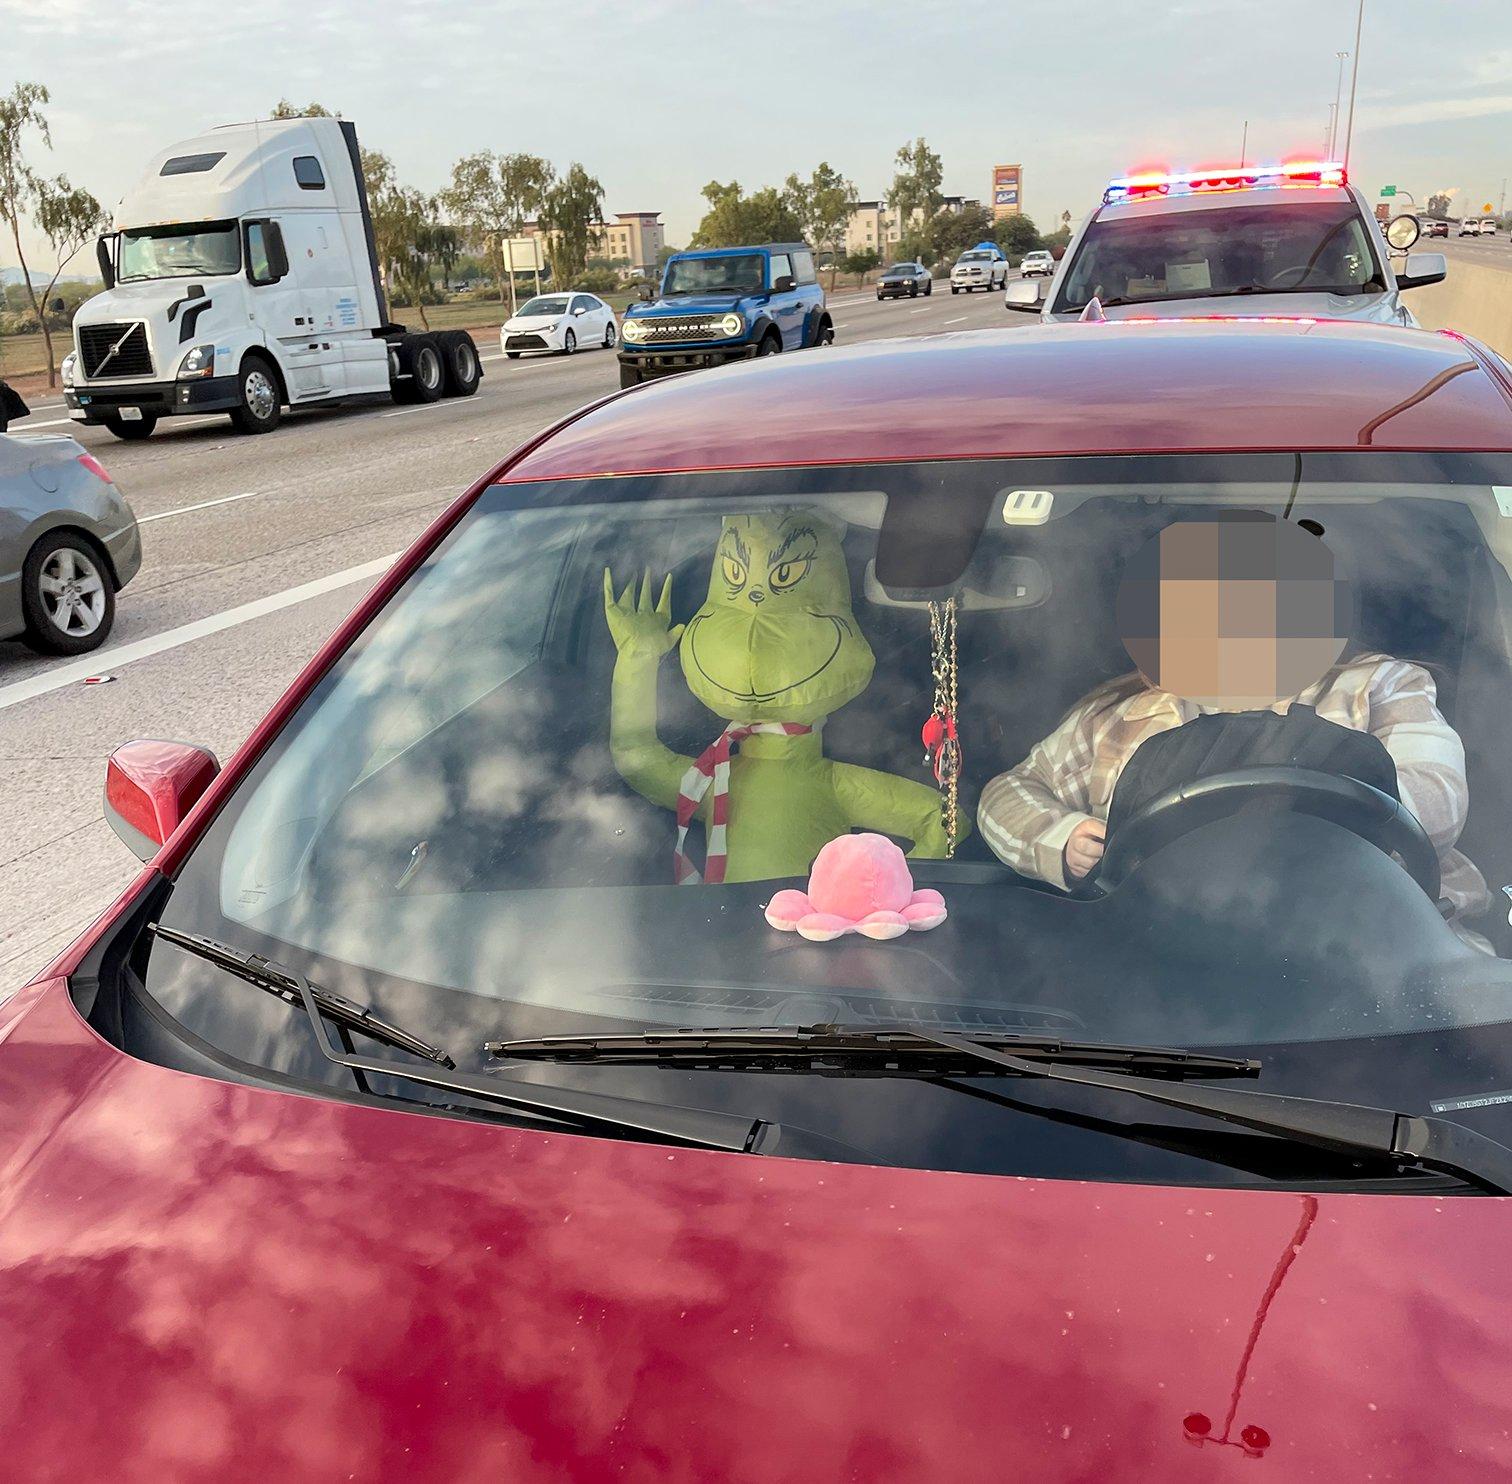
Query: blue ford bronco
[[726, 304]]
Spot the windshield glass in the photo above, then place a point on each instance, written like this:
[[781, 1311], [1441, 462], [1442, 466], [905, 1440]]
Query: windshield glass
[[188, 251], [472, 822], [545, 304], [1313, 247], [903, 268], [745, 274], [975, 257]]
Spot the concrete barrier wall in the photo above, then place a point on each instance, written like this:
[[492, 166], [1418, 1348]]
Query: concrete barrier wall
[[1472, 299]]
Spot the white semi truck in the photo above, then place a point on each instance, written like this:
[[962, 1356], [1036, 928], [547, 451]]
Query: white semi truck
[[241, 276]]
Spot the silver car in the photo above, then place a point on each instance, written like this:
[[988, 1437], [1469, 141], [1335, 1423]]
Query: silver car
[[68, 543], [1297, 241]]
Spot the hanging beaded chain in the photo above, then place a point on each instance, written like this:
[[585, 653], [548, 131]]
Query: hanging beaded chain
[[942, 746]]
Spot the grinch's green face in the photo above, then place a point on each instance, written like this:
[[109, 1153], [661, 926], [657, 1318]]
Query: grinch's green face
[[776, 640]]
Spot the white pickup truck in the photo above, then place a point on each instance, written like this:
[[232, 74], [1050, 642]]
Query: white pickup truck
[[241, 276]]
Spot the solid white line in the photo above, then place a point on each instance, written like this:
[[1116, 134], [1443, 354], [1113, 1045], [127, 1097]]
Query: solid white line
[[405, 411], [104, 661], [57, 422], [203, 505], [961, 321], [918, 311]]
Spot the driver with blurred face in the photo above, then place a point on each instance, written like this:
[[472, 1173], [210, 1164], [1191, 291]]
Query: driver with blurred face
[[1236, 612]]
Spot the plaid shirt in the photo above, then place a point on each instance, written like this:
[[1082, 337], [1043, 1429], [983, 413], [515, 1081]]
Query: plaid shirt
[[1027, 814]]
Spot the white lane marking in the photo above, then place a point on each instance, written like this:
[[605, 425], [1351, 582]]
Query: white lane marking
[[961, 321], [423, 407], [57, 422], [113, 659], [203, 505], [918, 311]]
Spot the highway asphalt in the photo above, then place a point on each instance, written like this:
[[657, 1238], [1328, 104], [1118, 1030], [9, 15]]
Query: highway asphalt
[[255, 547]]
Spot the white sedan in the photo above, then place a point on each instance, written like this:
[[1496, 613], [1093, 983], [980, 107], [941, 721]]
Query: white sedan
[[559, 322]]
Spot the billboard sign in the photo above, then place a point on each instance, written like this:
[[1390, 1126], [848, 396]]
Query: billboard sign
[[1007, 188]]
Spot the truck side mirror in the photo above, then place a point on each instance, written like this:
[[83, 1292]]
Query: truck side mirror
[[784, 284], [647, 292], [1422, 268], [1024, 294], [267, 259], [105, 257]]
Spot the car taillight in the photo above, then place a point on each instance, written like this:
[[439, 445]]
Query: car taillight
[[95, 467]]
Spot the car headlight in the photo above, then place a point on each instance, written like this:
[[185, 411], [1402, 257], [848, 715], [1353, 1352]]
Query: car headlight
[[633, 330], [199, 362], [66, 371], [732, 324]]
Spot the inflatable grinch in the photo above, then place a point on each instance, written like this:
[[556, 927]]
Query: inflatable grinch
[[774, 650]]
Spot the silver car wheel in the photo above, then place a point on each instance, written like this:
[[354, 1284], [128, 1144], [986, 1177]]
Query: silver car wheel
[[261, 394], [73, 593]]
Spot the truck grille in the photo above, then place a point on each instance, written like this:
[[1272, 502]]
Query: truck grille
[[681, 327], [97, 341]]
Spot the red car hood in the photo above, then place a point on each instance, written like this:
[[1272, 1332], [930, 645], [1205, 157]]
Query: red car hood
[[201, 1280]]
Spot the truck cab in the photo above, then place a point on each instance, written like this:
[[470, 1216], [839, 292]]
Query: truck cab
[[241, 276], [725, 304]]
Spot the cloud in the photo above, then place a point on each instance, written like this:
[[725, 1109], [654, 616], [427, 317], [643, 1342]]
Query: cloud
[[1434, 111]]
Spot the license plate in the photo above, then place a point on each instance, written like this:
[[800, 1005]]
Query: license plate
[[131, 414]]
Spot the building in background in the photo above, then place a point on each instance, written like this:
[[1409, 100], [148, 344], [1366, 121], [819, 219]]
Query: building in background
[[632, 242], [875, 225], [1007, 191]]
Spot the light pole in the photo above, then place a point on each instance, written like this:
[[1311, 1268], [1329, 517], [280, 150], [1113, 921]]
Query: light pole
[[1244, 144], [1328, 132], [1333, 128], [1354, 78]]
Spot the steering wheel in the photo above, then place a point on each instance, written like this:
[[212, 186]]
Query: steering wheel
[[1297, 273], [1359, 808]]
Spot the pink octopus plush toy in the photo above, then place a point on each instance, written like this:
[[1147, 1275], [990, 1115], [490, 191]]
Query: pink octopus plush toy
[[859, 884]]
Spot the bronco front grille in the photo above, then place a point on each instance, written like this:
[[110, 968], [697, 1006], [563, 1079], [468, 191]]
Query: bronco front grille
[[680, 327], [115, 350]]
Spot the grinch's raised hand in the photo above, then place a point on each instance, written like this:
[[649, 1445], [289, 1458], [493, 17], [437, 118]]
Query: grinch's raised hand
[[641, 627]]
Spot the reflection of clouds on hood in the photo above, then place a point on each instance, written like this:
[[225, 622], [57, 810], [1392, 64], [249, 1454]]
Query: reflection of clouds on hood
[[281, 1287]]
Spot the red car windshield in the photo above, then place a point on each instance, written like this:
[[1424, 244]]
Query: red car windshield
[[473, 822]]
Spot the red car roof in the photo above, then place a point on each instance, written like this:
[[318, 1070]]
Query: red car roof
[[1119, 387]]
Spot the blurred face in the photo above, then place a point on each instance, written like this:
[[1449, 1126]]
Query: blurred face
[[1235, 613]]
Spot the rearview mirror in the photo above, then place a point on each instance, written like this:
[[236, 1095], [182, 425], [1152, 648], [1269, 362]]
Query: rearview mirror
[[150, 786], [1025, 294], [105, 257], [1422, 268], [1402, 231]]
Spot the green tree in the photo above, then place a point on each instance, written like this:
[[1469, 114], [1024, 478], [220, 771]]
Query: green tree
[[571, 210], [950, 233], [409, 215], [1017, 235], [1438, 204], [916, 185], [68, 216], [491, 196], [21, 114], [283, 109], [442, 245], [735, 219], [822, 206], [861, 262]]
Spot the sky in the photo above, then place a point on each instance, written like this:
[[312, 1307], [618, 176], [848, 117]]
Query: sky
[[657, 97]]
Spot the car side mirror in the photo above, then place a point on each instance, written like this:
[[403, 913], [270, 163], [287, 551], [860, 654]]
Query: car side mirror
[[105, 257], [1422, 268], [784, 284], [646, 292], [150, 786], [1402, 231], [1024, 294]]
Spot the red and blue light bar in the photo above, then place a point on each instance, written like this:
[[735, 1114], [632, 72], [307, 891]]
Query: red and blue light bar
[[1152, 184]]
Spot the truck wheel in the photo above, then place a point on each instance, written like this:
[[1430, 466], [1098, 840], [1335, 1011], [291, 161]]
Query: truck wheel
[[929, 288], [954, 289], [824, 332], [771, 343], [259, 406], [131, 432], [629, 376], [427, 372], [461, 371], [67, 595]]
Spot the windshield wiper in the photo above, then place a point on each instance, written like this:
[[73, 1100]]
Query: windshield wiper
[[1348, 1128], [591, 1111], [844, 1050]]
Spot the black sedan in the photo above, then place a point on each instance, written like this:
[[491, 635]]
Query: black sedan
[[905, 279]]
